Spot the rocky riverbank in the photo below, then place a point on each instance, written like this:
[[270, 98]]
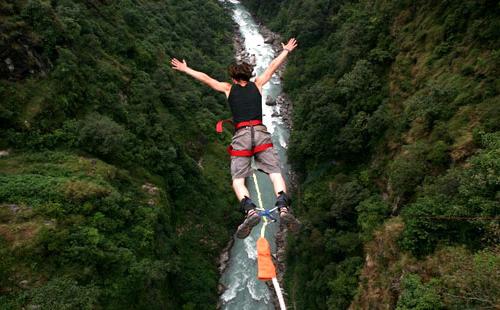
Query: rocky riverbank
[[282, 100], [222, 265]]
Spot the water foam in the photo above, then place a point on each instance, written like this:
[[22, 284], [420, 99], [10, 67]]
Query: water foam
[[250, 248]]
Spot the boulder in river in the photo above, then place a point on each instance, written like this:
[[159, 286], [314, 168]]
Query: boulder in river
[[280, 100], [269, 40], [270, 101]]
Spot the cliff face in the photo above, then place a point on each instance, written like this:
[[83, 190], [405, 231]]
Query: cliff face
[[113, 185], [395, 137]]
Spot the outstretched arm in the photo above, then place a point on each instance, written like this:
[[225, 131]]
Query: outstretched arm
[[262, 79], [200, 76]]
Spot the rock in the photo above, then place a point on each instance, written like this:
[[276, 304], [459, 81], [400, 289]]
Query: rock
[[280, 100], [50, 222], [150, 188], [24, 283], [252, 60], [14, 208], [269, 40], [221, 288], [224, 256], [9, 64], [270, 101]]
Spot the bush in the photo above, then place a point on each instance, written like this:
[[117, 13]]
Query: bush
[[103, 137], [64, 293], [406, 172], [418, 296], [457, 207], [471, 280], [371, 213], [433, 103]]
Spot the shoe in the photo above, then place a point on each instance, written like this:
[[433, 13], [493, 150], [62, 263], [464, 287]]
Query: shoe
[[251, 220], [289, 220], [283, 203]]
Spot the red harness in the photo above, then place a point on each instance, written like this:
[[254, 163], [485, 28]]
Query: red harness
[[243, 153]]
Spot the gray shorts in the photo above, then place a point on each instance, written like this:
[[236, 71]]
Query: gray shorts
[[266, 161]]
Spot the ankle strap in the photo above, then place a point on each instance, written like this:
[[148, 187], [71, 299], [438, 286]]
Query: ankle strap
[[247, 204]]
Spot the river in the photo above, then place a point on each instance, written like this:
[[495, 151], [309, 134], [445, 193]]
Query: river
[[243, 290]]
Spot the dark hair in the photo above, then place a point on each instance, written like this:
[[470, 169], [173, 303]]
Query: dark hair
[[240, 72]]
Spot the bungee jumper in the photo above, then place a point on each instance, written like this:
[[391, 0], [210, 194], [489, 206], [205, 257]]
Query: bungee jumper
[[251, 138]]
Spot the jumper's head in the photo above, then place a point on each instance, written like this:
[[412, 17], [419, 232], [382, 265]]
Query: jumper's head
[[240, 71]]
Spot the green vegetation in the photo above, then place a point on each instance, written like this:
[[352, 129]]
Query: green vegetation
[[114, 193], [396, 114]]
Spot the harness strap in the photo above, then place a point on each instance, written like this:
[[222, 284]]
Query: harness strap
[[220, 123], [251, 123], [239, 125], [248, 153], [255, 148]]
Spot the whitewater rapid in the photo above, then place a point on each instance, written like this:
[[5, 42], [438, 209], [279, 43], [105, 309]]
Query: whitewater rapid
[[243, 290]]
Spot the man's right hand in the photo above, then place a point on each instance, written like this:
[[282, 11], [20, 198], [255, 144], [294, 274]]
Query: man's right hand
[[178, 65], [291, 45]]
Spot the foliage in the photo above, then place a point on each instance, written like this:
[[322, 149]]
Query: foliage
[[64, 293], [108, 150], [398, 97], [417, 295], [459, 206], [371, 214]]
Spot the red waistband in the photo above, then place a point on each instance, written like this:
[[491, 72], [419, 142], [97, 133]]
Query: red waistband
[[248, 123], [239, 125]]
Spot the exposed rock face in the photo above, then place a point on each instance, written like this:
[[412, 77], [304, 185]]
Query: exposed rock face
[[285, 109], [241, 54], [282, 100], [222, 265], [21, 57], [224, 257]]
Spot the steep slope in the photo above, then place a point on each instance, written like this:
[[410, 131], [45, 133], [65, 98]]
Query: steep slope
[[113, 185], [396, 115]]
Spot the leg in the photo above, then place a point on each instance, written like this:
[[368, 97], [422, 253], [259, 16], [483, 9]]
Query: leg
[[252, 218], [240, 188], [283, 202], [240, 169], [269, 162], [278, 183]]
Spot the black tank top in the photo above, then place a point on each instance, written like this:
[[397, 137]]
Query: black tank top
[[245, 102]]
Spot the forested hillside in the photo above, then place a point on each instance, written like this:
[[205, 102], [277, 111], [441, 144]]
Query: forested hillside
[[114, 190], [396, 143]]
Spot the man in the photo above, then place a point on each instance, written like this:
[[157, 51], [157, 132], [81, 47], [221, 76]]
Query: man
[[251, 138]]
